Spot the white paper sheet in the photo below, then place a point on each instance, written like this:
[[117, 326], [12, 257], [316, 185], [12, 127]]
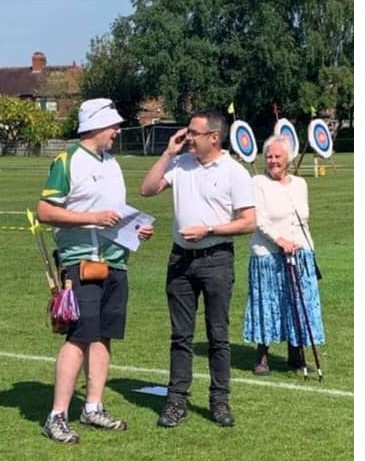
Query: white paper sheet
[[153, 390], [126, 232]]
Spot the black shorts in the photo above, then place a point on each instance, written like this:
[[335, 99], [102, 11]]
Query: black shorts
[[103, 306]]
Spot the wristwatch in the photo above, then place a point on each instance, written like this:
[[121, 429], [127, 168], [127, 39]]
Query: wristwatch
[[210, 230]]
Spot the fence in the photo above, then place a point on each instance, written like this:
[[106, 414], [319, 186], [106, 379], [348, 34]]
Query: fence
[[138, 140], [148, 140], [50, 148]]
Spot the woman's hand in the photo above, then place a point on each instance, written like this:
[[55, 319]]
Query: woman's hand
[[288, 246]]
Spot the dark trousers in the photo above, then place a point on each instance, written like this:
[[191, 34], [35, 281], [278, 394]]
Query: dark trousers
[[189, 274]]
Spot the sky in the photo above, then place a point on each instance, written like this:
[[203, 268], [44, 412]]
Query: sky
[[61, 29]]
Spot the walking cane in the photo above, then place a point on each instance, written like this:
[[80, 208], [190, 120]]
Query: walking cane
[[296, 281], [298, 323]]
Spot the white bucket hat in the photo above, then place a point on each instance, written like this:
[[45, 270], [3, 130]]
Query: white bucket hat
[[95, 114]]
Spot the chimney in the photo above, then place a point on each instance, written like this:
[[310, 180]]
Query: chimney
[[39, 61]]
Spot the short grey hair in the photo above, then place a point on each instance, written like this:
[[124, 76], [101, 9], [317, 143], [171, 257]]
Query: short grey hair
[[282, 139], [216, 121]]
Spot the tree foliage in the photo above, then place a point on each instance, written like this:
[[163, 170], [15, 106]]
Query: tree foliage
[[68, 128], [112, 71], [207, 53], [21, 120]]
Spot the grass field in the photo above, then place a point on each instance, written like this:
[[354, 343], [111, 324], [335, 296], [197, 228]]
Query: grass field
[[278, 418]]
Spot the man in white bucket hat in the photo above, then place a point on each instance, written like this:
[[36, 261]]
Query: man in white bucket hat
[[82, 194]]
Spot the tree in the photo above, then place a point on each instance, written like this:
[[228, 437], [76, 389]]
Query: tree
[[43, 126], [70, 124], [201, 53], [112, 71], [189, 53], [14, 116], [324, 32], [21, 120]]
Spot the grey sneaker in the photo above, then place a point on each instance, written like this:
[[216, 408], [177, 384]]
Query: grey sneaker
[[57, 429], [173, 413], [222, 414], [102, 419]]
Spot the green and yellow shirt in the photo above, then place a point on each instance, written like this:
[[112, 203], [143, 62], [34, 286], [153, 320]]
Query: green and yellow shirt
[[81, 181]]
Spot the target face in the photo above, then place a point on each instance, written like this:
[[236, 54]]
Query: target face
[[243, 141], [285, 128], [319, 138]]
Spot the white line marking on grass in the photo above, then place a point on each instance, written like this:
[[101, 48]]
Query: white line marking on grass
[[12, 212], [254, 382], [158, 371]]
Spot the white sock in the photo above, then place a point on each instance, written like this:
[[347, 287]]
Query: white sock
[[92, 406], [57, 412]]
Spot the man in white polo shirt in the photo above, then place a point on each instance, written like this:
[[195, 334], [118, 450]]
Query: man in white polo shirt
[[213, 201], [82, 195]]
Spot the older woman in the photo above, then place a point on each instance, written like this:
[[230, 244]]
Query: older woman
[[282, 231]]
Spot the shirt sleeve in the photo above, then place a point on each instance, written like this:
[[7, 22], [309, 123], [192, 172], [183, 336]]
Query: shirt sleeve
[[242, 188], [57, 185]]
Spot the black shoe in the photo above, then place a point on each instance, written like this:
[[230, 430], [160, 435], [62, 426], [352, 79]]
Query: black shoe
[[297, 364], [172, 414], [294, 356], [299, 369], [221, 414], [261, 369]]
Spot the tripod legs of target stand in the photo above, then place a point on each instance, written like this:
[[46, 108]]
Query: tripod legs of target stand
[[318, 170], [315, 165], [253, 168], [334, 167]]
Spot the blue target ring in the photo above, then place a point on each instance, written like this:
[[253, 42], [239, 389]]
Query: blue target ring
[[287, 133], [243, 141], [320, 138]]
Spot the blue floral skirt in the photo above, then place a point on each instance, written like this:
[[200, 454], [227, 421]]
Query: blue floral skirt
[[283, 301]]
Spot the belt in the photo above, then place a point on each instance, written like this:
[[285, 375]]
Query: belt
[[201, 252]]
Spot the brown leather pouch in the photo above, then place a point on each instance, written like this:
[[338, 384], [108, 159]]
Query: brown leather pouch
[[93, 270]]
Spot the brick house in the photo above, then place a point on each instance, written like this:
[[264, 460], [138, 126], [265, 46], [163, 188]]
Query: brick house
[[152, 112], [51, 87], [55, 88]]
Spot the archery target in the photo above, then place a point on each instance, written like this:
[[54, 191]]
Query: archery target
[[285, 128], [319, 138], [243, 141]]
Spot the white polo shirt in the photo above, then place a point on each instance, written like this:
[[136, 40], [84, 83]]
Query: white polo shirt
[[207, 194]]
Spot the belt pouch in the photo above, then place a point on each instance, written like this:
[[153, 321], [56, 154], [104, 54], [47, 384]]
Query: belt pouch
[[93, 270]]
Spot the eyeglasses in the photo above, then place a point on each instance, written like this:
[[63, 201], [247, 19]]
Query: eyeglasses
[[110, 105], [194, 133]]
